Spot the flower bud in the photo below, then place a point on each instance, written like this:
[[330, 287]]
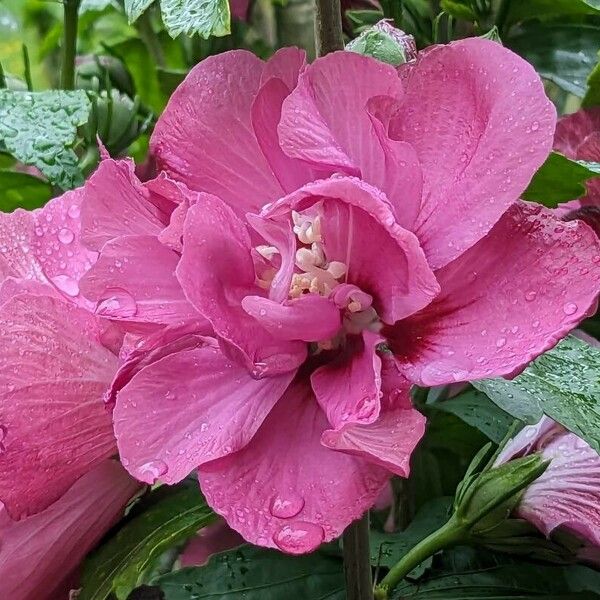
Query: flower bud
[[91, 73], [386, 43]]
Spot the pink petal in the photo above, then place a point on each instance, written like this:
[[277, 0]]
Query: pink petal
[[325, 120], [567, 494], [210, 540], [16, 258], [359, 229], [205, 138], [286, 64], [134, 281], [40, 554], [116, 203], [390, 440], [53, 372], [188, 408], [348, 389], [528, 283], [572, 130], [310, 318], [216, 271], [481, 124], [285, 490]]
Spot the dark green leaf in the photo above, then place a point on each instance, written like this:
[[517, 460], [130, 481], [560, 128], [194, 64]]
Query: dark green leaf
[[120, 564], [250, 573], [560, 180], [460, 10], [39, 129], [388, 548], [562, 383], [476, 409], [521, 10], [592, 95], [20, 190], [475, 574], [564, 54]]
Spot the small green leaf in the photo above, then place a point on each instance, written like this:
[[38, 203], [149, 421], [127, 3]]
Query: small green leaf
[[476, 409], [536, 9], [459, 10], [563, 383], [174, 515], [560, 180], [564, 54], [20, 190], [39, 129], [250, 573], [388, 548], [204, 17]]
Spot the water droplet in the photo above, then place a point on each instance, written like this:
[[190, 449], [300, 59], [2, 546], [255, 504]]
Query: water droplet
[[500, 342], [535, 126], [152, 470], [530, 296], [74, 211], [286, 507], [570, 308], [299, 537], [65, 236], [116, 302], [66, 284]]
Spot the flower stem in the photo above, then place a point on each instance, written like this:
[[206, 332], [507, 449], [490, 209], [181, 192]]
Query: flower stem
[[71, 18], [328, 26], [150, 39], [450, 534], [357, 560]]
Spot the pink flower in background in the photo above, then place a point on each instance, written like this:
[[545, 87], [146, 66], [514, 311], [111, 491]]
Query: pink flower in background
[[578, 137], [40, 555], [567, 495], [325, 236]]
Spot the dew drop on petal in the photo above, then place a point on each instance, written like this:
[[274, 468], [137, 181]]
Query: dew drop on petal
[[530, 296], [286, 507], [153, 469], [570, 308], [74, 211], [299, 537], [500, 342], [66, 284], [116, 302], [65, 236]]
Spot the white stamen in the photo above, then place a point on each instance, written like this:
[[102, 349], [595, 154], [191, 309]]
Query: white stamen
[[337, 269], [267, 252]]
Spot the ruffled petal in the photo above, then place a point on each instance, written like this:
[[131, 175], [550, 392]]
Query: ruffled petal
[[188, 408], [349, 389], [285, 490], [54, 370], [133, 282], [528, 283], [205, 136], [481, 124], [39, 555]]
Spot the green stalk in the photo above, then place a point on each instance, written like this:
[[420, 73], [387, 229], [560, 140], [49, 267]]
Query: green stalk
[[451, 534], [357, 560], [328, 26], [71, 19], [150, 39]]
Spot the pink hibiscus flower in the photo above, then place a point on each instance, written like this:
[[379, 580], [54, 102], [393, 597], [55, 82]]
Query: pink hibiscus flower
[[337, 233], [578, 137], [567, 495]]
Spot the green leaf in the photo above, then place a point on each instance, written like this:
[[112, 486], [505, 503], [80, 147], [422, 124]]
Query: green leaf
[[475, 574], [560, 180], [250, 573], [536, 9], [592, 95], [96, 5], [476, 409], [174, 515], [204, 17], [388, 548], [40, 128], [564, 54], [563, 383], [20, 190], [460, 10]]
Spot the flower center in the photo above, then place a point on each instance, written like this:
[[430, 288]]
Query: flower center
[[314, 273]]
